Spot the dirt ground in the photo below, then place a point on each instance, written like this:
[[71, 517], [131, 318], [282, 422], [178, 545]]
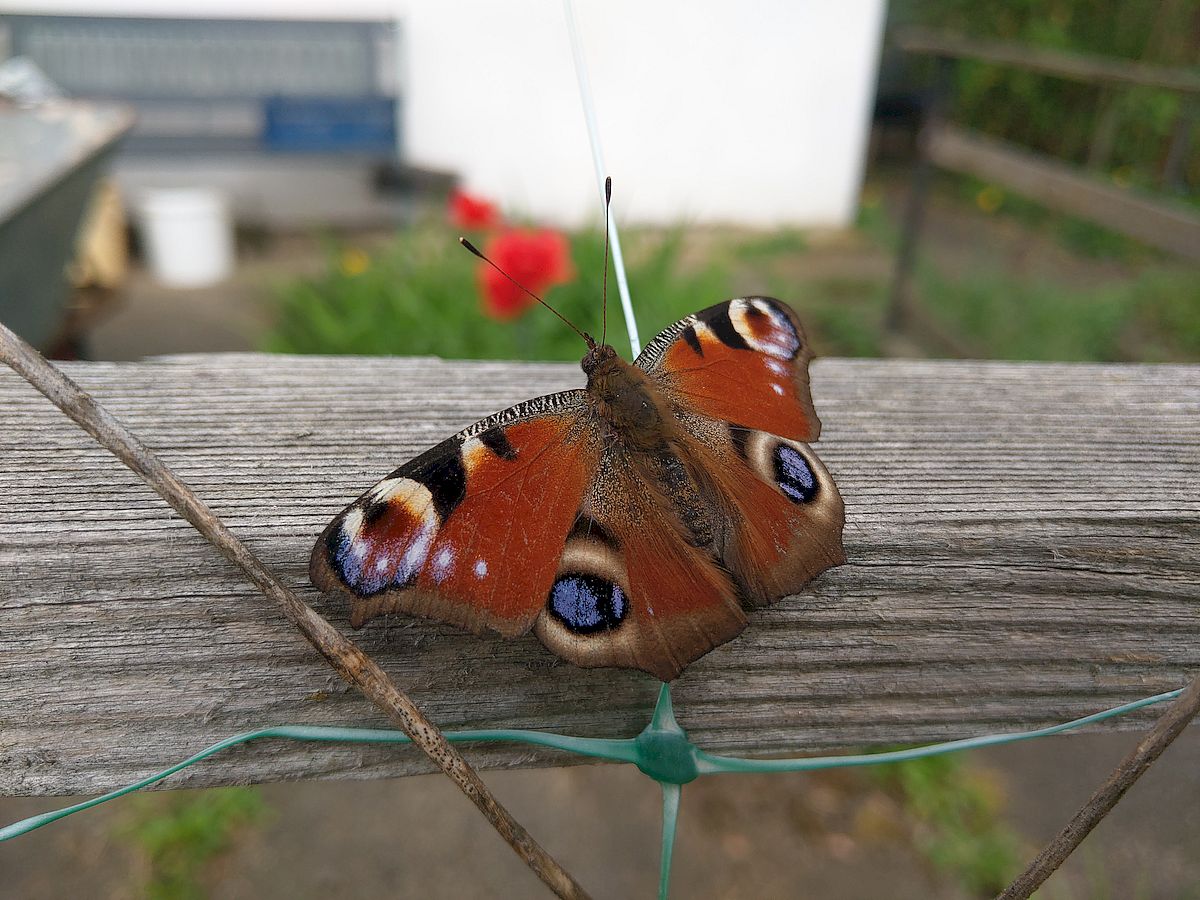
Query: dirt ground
[[831, 835]]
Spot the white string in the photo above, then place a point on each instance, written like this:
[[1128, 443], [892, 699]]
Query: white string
[[589, 114]]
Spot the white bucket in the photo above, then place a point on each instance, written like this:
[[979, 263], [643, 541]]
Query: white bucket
[[189, 236]]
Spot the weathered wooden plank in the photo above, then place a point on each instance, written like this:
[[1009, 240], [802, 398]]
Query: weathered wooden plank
[[1087, 67], [1166, 225], [1023, 539]]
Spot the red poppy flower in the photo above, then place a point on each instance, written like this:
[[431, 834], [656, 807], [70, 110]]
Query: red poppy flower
[[470, 212], [538, 259]]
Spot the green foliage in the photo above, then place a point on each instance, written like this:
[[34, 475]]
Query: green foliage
[[845, 329], [411, 297], [663, 284], [1153, 317], [1080, 236], [1060, 116], [842, 317], [772, 244], [958, 810], [179, 833], [873, 222], [419, 295], [1168, 307]]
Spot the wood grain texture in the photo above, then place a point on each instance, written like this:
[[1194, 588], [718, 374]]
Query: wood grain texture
[[1023, 540]]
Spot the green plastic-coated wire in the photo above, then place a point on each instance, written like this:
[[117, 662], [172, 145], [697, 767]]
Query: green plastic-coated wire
[[617, 750], [709, 764], [662, 751], [670, 816]]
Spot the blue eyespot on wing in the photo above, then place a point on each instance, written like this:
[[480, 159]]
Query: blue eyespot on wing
[[586, 604], [794, 475]]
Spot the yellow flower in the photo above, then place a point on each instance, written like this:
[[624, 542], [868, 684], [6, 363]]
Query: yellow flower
[[989, 199], [354, 261]]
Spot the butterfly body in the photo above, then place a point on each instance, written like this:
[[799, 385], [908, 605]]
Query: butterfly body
[[641, 434], [626, 523], [634, 413]]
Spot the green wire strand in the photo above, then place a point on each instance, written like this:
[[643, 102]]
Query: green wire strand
[[709, 764], [670, 816], [662, 751], [619, 750]]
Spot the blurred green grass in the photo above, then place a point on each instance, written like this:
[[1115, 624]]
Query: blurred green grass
[[179, 834], [957, 810], [418, 295]]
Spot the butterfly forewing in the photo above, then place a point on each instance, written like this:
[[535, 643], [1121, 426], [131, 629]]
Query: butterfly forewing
[[743, 361], [469, 532]]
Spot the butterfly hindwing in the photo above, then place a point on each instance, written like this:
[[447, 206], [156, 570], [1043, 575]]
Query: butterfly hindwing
[[632, 589], [470, 531], [743, 361], [783, 511], [737, 376]]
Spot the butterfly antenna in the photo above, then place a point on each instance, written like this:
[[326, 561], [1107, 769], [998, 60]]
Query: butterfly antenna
[[587, 338], [604, 307]]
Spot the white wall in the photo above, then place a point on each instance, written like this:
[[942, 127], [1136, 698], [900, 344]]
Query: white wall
[[752, 112], [710, 110], [210, 9]]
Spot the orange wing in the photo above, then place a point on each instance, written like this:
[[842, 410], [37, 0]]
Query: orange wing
[[536, 518], [737, 376], [471, 531], [743, 361], [526, 518], [631, 589], [784, 510]]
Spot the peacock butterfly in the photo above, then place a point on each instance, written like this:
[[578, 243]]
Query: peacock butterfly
[[627, 523]]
